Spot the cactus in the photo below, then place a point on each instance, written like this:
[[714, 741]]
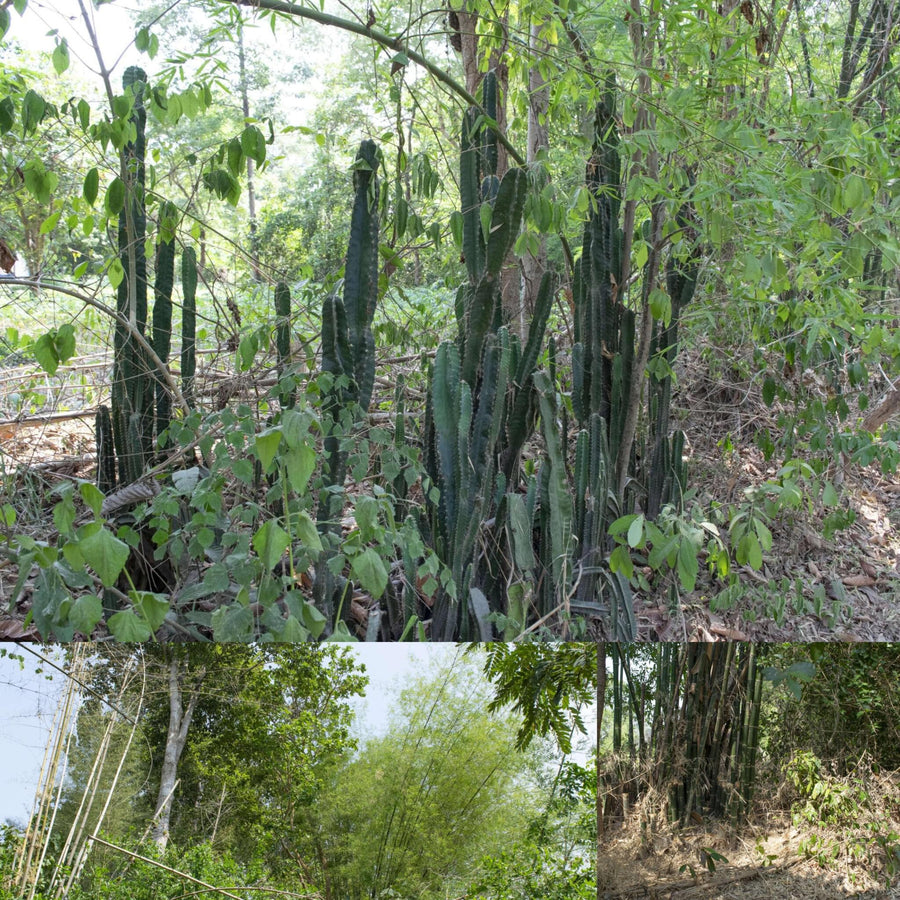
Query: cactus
[[283, 339], [481, 402], [162, 308], [188, 322], [140, 401], [348, 353]]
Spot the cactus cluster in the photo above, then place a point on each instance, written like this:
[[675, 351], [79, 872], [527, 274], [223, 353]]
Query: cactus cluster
[[140, 400], [481, 401], [348, 350]]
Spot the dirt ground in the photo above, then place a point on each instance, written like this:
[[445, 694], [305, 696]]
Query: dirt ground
[[761, 863]]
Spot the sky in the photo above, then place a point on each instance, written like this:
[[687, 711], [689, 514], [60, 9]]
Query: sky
[[28, 702]]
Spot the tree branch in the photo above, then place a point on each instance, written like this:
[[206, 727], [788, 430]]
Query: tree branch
[[380, 37]]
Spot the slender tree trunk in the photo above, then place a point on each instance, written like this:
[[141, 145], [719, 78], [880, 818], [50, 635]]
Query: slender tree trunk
[[176, 738]]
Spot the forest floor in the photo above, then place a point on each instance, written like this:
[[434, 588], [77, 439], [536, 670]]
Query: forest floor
[[761, 862], [846, 588]]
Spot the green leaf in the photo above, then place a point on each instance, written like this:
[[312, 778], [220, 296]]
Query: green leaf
[[44, 350], [103, 552], [115, 273], [620, 561], [33, 108], [300, 463], [7, 115], [40, 182], [125, 626], [270, 542], [142, 39], [50, 222], [20, 6], [768, 391], [61, 57], [660, 306], [266, 446], [115, 197], [829, 495], [152, 607], [65, 342], [247, 350], [91, 186], [313, 619], [85, 613], [636, 532], [687, 564], [254, 144], [64, 513], [366, 515], [456, 228], [307, 533], [232, 623], [368, 569], [4, 22], [341, 633]]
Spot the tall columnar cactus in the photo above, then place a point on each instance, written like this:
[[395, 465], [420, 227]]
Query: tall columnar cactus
[[666, 477], [132, 391], [481, 399], [140, 400], [188, 322], [348, 349], [283, 337]]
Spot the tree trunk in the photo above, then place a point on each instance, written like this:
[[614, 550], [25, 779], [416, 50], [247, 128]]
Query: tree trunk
[[176, 738]]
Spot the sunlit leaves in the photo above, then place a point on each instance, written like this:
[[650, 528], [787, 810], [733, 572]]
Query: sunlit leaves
[[60, 57], [39, 180], [55, 347]]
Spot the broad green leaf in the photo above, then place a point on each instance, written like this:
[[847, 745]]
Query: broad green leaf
[[40, 182], [620, 561], [660, 306], [341, 633], [687, 564], [142, 39], [313, 619], [91, 186], [829, 495], [456, 228], [366, 515], [61, 57], [266, 446], [768, 390], [270, 542], [33, 108], [368, 569], [247, 350], [636, 532], [300, 463], [293, 632], [115, 273], [232, 623], [7, 115], [4, 22], [308, 533], [64, 513], [115, 197], [85, 613], [65, 342], [50, 222], [152, 607], [126, 626], [103, 552]]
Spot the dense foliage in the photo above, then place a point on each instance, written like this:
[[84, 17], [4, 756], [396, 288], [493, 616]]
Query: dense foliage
[[445, 301]]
